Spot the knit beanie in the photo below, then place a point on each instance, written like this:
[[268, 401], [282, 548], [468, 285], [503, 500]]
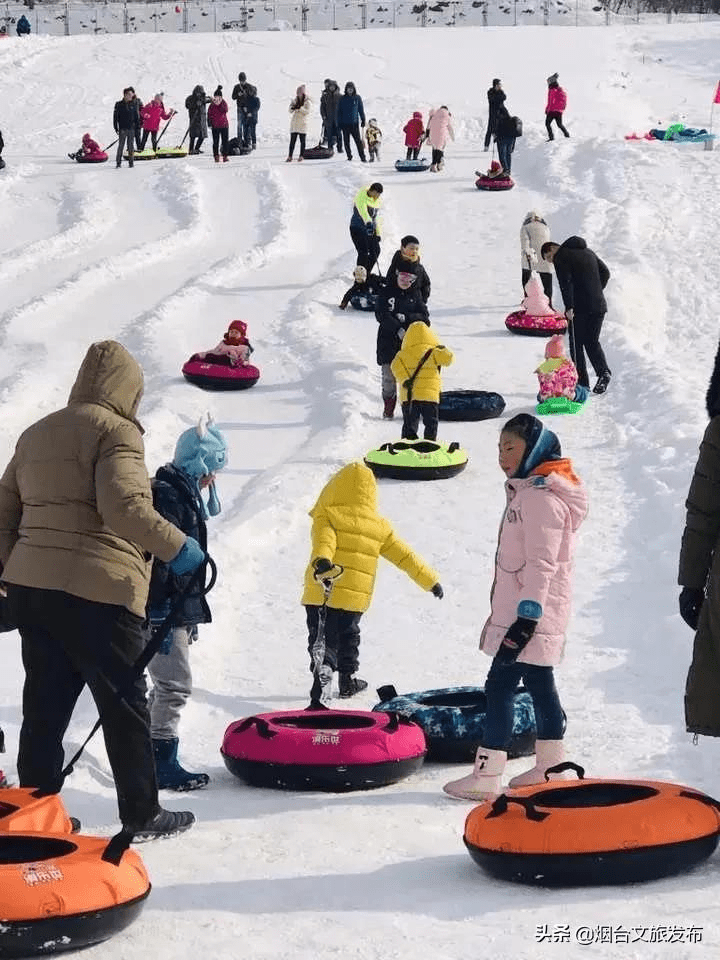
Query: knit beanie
[[417, 115], [553, 78], [200, 451], [555, 348], [218, 92], [541, 444], [241, 327], [300, 92]]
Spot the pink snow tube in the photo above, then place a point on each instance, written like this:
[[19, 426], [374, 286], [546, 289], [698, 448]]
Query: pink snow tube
[[215, 372], [536, 326], [331, 750], [494, 183], [95, 156]]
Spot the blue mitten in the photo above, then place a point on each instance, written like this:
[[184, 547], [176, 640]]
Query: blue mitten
[[214, 506], [189, 559]]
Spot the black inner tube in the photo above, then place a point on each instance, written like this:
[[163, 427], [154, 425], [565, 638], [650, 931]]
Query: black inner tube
[[15, 848], [593, 795], [320, 721]]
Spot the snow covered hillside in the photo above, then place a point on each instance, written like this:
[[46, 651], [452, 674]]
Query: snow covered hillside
[[161, 257]]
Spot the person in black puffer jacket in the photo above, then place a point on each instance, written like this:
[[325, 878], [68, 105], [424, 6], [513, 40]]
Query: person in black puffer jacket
[[400, 303], [350, 115], [329, 100], [199, 454], [496, 98]]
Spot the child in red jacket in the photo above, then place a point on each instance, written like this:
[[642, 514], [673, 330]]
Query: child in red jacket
[[556, 103], [414, 131], [218, 123]]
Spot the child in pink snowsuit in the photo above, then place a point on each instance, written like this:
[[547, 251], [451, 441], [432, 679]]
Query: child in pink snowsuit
[[414, 131], [557, 374], [234, 345], [555, 107], [439, 131]]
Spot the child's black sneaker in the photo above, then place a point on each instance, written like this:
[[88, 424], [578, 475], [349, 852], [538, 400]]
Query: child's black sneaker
[[349, 686], [602, 383], [166, 823]]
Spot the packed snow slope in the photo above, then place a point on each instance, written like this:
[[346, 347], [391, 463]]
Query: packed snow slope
[[163, 256]]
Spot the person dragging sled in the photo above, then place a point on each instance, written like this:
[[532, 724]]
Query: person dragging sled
[[365, 225], [126, 123], [199, 454], [77, 535], [496, 98], [414, 131], [530, 603], [582, 277], [416, 367], [349, 535]]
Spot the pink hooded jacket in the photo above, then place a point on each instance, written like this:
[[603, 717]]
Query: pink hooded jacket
[[440, 128], [534, 559], [151, 115], [556, 101]]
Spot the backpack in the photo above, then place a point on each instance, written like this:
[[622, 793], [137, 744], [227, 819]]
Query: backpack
[[517, 122]]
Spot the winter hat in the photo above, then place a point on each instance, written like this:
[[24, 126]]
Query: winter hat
[[360, 274], [555, 348], [541, 444], [240, 332], [553, 78], [241, 77], [300, 92], [496, 81], [417, 115], [218, 92], [372, 121], [86, 137], [202, 450]]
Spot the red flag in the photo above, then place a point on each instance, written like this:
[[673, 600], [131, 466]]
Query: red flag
[[717, 94]]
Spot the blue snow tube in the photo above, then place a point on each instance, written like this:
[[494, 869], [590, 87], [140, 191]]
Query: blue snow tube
[[453, 720], [470, 405]]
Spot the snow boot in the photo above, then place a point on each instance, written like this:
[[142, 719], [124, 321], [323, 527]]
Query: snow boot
[[389, 408], [225, 159], [484, 782], [602, 382], [350, 685], [547, 754], [165, 823], [170, 775], [75, 825], [216, 158]]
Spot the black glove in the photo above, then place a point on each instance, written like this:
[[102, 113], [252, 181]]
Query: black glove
[[516, 639], [322, 565], [690, 601], [437, 591]]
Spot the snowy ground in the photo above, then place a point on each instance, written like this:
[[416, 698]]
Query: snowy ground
[[163, 256]]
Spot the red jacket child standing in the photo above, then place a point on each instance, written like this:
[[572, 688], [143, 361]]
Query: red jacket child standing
[[414, 131], [218, 123], [556, 103]]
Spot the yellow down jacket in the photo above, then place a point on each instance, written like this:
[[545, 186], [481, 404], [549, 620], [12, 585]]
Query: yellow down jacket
[[418, 339], [348, 530]]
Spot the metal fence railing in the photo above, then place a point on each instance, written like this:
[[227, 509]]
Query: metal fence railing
[[206, 16]]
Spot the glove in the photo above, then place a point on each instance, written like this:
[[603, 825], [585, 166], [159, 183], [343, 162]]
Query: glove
[[437, 591], [370, 229], [690, 602], [189, 559], [322, 565], [570, 314], [516, 639]]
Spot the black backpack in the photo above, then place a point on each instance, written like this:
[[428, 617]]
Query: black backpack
[[517, 122]]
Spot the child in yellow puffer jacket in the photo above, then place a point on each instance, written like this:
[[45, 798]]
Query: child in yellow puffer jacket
[[347, 530], [417, 368]]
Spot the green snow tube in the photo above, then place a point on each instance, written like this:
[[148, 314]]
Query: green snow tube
[[141, 155], [417, 460], [170, 153]]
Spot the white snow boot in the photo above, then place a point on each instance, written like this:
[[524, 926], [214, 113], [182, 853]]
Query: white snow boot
[[547, 754], [484, 782]]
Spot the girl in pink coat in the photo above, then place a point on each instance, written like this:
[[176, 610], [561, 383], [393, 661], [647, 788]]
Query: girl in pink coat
[[556, 103], [439, 131], [218, 122], [152, 113], [530, 602]]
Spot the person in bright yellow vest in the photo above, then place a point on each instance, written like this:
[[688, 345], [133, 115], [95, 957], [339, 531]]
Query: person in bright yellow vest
[[417, 368], [347, 530], [365, 225]]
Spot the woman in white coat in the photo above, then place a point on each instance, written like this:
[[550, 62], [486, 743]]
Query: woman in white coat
[[533, 234], [299, 112], [439, 131]]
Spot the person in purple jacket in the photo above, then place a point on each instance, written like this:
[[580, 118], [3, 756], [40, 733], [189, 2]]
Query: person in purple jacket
[[218, 122]]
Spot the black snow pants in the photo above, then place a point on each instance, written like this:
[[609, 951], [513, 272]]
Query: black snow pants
[[342, 637]]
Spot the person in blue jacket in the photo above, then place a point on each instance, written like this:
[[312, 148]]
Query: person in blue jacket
[[350, 116], [23, 26]]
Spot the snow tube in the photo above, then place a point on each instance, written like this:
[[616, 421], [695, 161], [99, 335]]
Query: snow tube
[[214, 372], [588, 832], [554, 405], [141, 155], [331, 750], [531, 325], [364, 301], [236, 149], [410, 166], [170, 153], [21, 811], [454, 720], [470, 405], [318, 153], [60, 892], [98, 157], [417, 460], [494, 183]]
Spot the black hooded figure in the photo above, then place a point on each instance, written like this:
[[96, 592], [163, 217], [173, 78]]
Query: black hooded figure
[[23, 26], [195, 105], [350, 116], [329, 100], [496, 98]]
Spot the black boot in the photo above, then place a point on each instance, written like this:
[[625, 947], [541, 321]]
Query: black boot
[[170, 775], [602, 382], [350, 685], [165, 823]]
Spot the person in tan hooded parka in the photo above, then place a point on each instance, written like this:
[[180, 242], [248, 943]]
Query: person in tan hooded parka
[[77, 534], [417, 368], [348, 530]]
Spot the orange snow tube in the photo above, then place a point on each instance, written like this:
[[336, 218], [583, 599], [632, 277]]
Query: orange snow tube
[[587, 832], [21, 811], [60, 891]]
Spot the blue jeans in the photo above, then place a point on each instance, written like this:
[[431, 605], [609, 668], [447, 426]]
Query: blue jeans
[[500, 686], [505, 148]]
